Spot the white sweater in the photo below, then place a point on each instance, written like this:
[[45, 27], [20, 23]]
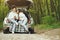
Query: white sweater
[[12, 14], [22, 16]]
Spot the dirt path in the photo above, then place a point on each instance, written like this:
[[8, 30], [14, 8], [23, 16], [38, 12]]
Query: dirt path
[[50, 35]]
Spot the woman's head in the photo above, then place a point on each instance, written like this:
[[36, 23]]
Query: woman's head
[[19, 10]]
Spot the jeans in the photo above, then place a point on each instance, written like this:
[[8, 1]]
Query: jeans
[[23, 23]]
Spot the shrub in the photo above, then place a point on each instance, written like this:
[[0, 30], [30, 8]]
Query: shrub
[[48, 20]]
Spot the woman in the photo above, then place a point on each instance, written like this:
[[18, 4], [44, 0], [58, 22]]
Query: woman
[[22, 20]]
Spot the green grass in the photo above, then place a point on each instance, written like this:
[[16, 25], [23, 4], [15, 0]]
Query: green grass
[[47, 26]]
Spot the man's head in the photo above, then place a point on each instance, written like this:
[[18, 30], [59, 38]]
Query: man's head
[[14, 8]]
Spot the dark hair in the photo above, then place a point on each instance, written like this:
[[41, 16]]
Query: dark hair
[[13, 6], [20, 10]]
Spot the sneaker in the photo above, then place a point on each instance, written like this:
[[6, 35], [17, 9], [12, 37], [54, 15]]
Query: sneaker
[[12, 32]]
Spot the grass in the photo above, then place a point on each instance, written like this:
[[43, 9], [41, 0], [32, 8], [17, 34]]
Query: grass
[[47, 26], [41, 28]]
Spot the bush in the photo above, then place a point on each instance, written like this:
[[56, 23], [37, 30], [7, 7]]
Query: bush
[[48, 20], [3, 11], [47, 26]]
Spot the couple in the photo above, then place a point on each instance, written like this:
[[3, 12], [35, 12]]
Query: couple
[[17, 17]]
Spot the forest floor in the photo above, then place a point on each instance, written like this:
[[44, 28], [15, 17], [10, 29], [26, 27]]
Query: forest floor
[[48, 35]]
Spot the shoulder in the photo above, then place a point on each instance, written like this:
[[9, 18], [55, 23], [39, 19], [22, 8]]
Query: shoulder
[[10, 12]]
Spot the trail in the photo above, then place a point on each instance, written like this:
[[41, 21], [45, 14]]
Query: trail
[[50, 35]]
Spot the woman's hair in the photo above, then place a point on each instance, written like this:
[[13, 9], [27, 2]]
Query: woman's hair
[[20, 10]]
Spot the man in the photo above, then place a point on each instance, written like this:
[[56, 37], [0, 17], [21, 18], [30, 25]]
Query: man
[[23, 20], [12, 18]]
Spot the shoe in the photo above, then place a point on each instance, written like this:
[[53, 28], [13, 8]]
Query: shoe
[[12, 32]]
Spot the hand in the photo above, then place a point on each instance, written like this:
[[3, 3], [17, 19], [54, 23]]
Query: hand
[[18, 18], [29, 21], [7, 20], [14, 17]]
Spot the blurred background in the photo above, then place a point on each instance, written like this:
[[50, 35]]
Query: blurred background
[[46, 14]]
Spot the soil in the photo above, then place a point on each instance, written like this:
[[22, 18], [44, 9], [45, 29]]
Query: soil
[[48, 35]]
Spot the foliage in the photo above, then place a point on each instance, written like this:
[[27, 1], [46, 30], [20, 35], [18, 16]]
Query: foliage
[[48, 20], [47, 26], [43, 8], [1, 25], [3, 12]]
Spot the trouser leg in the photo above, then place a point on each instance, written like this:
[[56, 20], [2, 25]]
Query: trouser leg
[[14, 22], [13, 28], [10, 28], [24, 24], [26, 28]]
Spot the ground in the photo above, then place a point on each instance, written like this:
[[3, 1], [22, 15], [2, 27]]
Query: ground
[[49, 35]]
